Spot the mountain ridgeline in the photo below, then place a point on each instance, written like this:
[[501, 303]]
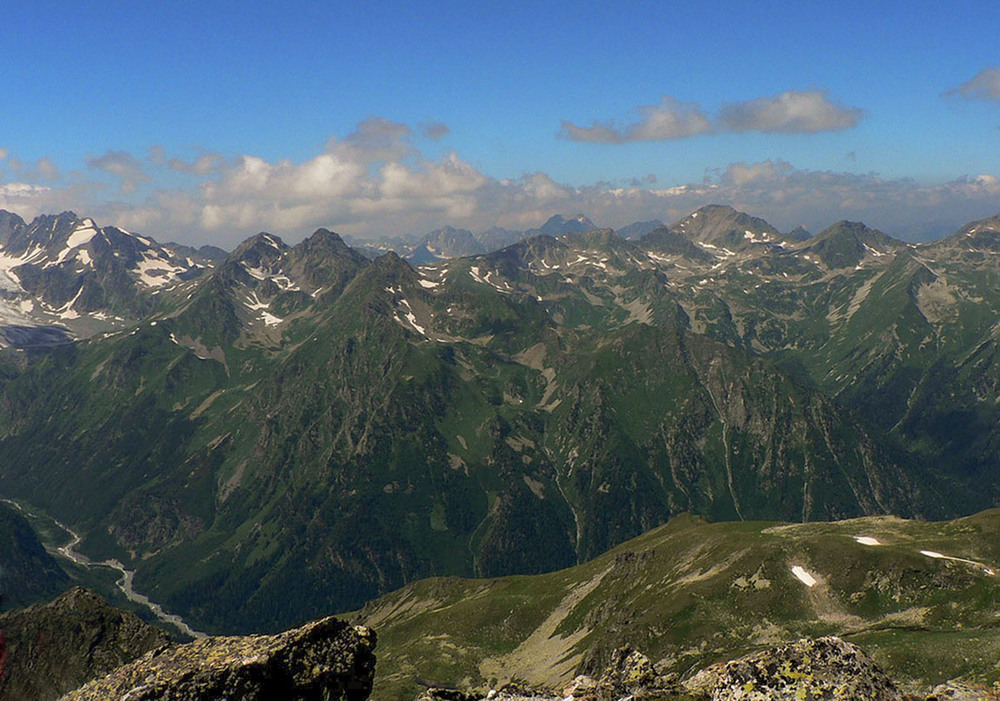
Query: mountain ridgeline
[[292, 431]]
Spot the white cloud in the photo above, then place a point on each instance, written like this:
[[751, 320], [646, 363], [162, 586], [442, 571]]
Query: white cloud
[[124, 166], [203, 165], [671, 119], [791, 112], [375, 183], [985, 85], [375, 139]]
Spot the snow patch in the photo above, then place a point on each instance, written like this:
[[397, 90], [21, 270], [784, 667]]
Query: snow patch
[[803, 576], [257, 273], [752, 237], [411, 317], [81, 234], [428, 284], [938, 556], [867, 540], [67, 312], [154, 271], [270, 319]]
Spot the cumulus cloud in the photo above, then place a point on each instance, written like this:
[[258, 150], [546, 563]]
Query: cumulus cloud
[[203, 165], [375, 139], [671, 119], [435, 131], [373, 183], [985, 85], [124, 166], [791, 112]]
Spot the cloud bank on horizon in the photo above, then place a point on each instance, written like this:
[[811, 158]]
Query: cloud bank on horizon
[[218, 126], [375, 183]]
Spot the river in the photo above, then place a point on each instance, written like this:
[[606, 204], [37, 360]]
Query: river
[[125, 582]]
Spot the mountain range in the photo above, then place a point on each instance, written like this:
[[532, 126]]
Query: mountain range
[[294, 430]]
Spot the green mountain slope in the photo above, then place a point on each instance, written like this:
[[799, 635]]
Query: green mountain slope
[[691, 593], [28, 573]]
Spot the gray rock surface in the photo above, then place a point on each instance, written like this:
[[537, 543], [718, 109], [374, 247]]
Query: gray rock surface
[[807, 670], [326, 660]]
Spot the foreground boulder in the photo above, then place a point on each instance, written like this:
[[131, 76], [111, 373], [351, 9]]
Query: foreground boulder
[[820, 668], [326, 660], [49, 649]]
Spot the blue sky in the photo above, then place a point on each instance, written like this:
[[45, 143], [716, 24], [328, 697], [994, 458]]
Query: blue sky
[[210, 121]]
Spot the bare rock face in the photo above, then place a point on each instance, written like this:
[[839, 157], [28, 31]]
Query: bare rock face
[[326, 660], [49, 649], [807, 670]]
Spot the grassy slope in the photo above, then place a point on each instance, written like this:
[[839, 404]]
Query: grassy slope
[[690, 593]]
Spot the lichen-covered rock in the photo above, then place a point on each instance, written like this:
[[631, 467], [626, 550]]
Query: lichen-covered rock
[[963, 691], [810, 669], [326, 660], [630, 673], [49, 649]]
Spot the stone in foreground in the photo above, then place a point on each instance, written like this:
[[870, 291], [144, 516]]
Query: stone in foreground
[[326, 660], [807, 670]]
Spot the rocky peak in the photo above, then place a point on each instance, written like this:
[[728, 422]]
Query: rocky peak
[[323, 261], [260, 250], [670, 242], [636, 230], [799, 233], [9, 223], [847, 243], [326, 659], [558, 224], [982, 235], [722, 226], [52, 648], [449, 242]]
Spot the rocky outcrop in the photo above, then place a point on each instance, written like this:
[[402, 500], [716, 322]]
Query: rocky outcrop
[[808, 670], [49, 649], [820, 668], [964, 691], [326, 660]]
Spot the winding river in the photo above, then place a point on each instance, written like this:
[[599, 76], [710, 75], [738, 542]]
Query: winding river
[[125, 582]]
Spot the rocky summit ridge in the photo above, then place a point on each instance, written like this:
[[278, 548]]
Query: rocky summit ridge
[[49, 649], [325, 660]]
